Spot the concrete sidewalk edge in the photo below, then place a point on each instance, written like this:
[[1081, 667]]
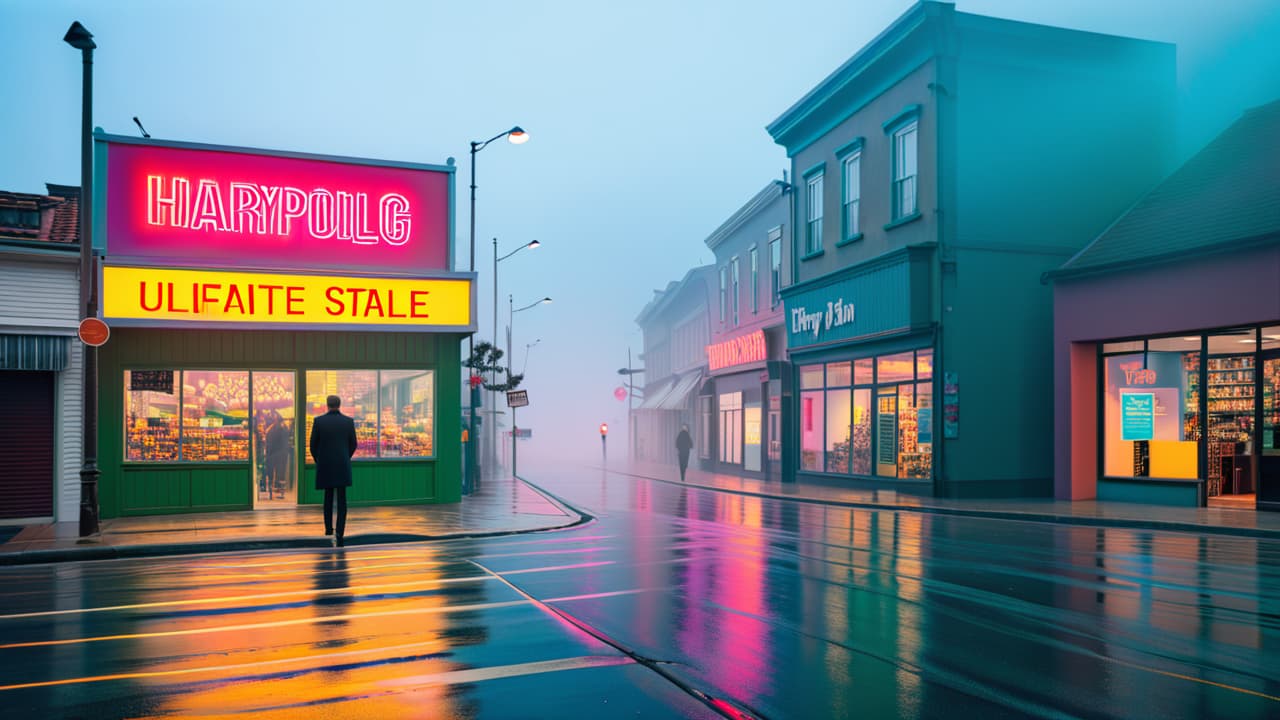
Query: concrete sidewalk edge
[[1018, 515], [90, 552]]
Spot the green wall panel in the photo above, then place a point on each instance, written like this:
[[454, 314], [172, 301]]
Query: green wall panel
[[153, 490], [380, 483], [222, 487]]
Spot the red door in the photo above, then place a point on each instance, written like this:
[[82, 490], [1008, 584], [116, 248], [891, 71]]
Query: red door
[[26, 444]]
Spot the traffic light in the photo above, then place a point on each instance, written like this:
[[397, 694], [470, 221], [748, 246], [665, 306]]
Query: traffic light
[[604, 429]]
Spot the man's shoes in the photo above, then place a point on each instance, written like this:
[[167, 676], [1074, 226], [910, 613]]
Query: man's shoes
[[338, 541], [328, 531]]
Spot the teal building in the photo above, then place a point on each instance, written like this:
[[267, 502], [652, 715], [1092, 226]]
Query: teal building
[[938, 173]]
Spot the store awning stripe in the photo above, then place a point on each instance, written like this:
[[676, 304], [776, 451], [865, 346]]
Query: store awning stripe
[[653, 398], [680, 393], [33, 352]]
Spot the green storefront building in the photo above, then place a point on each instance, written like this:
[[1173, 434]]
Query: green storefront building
[[244, 286]]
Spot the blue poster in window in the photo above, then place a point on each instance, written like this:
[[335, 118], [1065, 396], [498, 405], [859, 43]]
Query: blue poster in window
[[924, 425], [1137, 415]]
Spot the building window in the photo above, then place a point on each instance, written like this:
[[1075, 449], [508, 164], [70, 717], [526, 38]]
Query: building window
[[394, 410], [871, 416], [904, 170], [775, 267], [755, 280], [212, 426], [704, 431], [813, 215], [19, 218], [734, 288], [731, 428], [852, 172], [724, 294]]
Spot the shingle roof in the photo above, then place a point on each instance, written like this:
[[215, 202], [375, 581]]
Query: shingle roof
[[59, 215], [1228, 194]]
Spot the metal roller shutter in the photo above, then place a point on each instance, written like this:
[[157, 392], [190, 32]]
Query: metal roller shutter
[[26, 444]]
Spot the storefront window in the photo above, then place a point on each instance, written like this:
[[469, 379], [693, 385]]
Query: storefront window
[[704, 432], [359, 392], [1151, 413], [924, 364], [1231, 392], [731, 428], [810, 377], [885, 431], [895, 368], [215, 415], [151, 415], [864, 371], [811, 430], [839, 374], [862, 432], [408, 399], [839, 430]]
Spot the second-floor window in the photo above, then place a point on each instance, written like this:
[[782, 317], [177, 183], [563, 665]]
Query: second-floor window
[[733, 271], [755, 280], [904, 170], [775, 266], [813, 217], [724, 293], [852, 171]]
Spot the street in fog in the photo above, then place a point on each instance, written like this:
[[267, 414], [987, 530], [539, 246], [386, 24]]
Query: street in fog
[[675, 602]]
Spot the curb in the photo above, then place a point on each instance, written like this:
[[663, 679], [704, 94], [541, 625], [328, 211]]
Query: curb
[[1020, 516], [120, 552]]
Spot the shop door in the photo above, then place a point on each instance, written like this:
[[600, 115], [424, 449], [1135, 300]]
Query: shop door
[[1269, 435], [26, 443], [275, 432]]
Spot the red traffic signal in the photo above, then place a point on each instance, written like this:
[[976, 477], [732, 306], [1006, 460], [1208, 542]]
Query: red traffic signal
[[604, 429]]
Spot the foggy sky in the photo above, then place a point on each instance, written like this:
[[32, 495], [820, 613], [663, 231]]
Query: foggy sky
[[647, 123]]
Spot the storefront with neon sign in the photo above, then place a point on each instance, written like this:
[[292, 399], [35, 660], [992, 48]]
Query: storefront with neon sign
[[243, 287]]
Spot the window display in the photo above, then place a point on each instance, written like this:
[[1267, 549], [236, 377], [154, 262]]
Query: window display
[[408, 397], [394, 405], [215, 415], [212, 426], [151, 415], [731, 427], [1151, 411], [841, 430]]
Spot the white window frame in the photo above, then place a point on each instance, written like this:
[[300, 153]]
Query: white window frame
[[813, 214], [754, 255], [851, 169], [735, 287], [775, 266], [906, 168], [724, 289]]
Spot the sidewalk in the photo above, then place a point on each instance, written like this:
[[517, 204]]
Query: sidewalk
[[503, 506], [1221, 521]]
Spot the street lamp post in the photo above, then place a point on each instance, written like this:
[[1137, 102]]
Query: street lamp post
[[511, 331], [517, 136], [493, 396], [81, 39]]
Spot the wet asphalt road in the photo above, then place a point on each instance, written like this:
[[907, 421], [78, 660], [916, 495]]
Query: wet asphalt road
[[675, 603]]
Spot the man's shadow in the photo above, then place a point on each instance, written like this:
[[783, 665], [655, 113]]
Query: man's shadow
[[333, 599]]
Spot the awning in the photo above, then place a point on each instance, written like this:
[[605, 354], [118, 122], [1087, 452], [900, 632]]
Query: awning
[[680, 393], [33, 352], [653, 396]]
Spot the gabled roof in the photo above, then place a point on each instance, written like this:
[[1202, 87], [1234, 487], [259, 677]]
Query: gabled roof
[[754, 206], [62, 208], [664, 298], [1226, 196]]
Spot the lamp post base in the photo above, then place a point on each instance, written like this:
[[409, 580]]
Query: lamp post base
[[89, 475]]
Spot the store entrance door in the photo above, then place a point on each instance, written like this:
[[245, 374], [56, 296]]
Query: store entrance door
[[1269, 433], [275, 431]]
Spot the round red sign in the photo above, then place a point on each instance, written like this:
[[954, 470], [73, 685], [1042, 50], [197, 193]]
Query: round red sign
[[620, 393], [94, 332]]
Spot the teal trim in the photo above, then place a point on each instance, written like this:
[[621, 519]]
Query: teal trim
[[884, 259], [906, 115], [812, 255], [849, 148], [98, 211], [819, 168], [850, 240], [903, 220]]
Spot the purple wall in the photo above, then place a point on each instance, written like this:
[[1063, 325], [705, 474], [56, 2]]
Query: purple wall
[[1218, 291]]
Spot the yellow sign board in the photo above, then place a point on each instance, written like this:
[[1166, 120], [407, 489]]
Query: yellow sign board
[[169, 296]]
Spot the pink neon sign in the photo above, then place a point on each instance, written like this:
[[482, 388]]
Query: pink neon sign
[[223, 207]]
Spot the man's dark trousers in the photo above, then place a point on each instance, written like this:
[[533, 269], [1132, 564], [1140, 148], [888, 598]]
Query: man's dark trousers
[[329, 494]]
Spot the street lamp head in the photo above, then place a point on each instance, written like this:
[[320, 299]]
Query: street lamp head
[[545, 300], [78, 37], [517, 136], [534, 244]]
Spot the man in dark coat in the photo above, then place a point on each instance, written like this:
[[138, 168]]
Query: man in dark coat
[[684, 444], [333, 442]]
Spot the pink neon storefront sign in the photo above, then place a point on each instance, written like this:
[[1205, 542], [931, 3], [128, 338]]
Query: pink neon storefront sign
[[227, 207]]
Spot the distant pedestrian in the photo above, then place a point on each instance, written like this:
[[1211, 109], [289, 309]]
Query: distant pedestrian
[[333, 442], [684, 444]]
